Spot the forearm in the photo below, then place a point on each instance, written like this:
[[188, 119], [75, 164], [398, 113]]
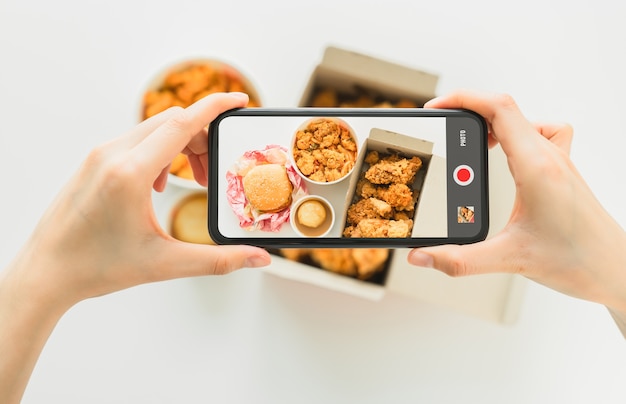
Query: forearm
[[28, 316], [608, 263]]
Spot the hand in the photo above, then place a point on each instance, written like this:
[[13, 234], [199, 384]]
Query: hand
[[558, 233], [101, 235]]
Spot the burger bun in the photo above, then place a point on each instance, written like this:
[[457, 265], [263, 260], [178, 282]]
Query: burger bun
[[268, 188]]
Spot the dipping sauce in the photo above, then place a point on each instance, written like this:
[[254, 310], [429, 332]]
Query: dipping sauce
[[312, 216]]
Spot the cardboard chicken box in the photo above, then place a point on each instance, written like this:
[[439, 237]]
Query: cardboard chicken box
[[351, 79], [428, 185], [345, 78]]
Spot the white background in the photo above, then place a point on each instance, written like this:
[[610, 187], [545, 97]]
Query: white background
[[71, 76]]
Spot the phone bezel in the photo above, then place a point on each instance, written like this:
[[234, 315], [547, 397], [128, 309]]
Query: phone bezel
[[341, 242]]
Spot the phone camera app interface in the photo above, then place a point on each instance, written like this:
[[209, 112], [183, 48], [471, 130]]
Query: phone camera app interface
[[347, 176]]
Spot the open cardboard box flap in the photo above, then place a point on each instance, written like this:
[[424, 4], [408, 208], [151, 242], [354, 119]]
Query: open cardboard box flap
[[346, 71]]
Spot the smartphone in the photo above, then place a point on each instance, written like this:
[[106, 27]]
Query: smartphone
[[337, 177]]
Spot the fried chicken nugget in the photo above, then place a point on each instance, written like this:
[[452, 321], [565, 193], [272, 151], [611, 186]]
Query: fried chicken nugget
[[179, 162], [369, 261], [338, 260], [394, 170], [365, 189], [399, 196], [382, 228], [306, 162], [294, 254], [333, 159], [372, 157], [325, 98], [370, 208]]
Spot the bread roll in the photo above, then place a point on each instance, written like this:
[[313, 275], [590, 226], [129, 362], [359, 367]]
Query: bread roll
[[189, 220]]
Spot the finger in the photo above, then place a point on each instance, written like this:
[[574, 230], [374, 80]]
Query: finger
[[491, 138], [143, 129], [199, 166], [181, 260], [561, 134], [509, 126], [165, 142], [199, 144], [161, 181], [197, 154], [494, 255]]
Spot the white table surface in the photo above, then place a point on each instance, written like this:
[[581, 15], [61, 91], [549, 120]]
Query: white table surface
[[71, 75]]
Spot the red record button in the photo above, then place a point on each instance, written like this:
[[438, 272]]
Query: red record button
[[463, 175]]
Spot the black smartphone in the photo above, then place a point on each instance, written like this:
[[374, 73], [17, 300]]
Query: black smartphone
[[318, 177]]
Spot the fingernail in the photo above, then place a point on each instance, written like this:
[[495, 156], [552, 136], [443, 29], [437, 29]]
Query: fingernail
[[257, 261], [420, 259], [430, 102], [238, 95]]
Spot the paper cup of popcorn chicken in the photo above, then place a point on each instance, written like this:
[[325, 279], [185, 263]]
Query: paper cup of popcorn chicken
[[324, 150], [182, 84]]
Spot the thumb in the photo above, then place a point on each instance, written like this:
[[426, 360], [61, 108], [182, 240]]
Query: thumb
[[182, 260], [491, 256]]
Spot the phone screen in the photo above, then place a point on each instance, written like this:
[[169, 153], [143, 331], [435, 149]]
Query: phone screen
[[340, 178]]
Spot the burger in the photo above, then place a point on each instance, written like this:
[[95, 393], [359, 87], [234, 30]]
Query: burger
[[260, 187], [268, 188]]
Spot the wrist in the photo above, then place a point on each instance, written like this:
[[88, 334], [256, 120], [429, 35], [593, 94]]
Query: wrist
[[28, 283], [28, 314], [618, 308], [605, 261]]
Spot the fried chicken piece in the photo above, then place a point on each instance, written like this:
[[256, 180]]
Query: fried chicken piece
[[306, 162], [365, 189], [351, 231], [372, 157], [399, 196], [369, 261], [384, 104], [325, 133], [347, 145], [394, 170], [370, 208], [333, 174], [318, 176], [404, 103], [361, 263], [360, 101], [382, 208], [381, 228], [338, 260], [400, 215], [325, 98], [304, 141], [157, 101], [294, 254], [333, 159]]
